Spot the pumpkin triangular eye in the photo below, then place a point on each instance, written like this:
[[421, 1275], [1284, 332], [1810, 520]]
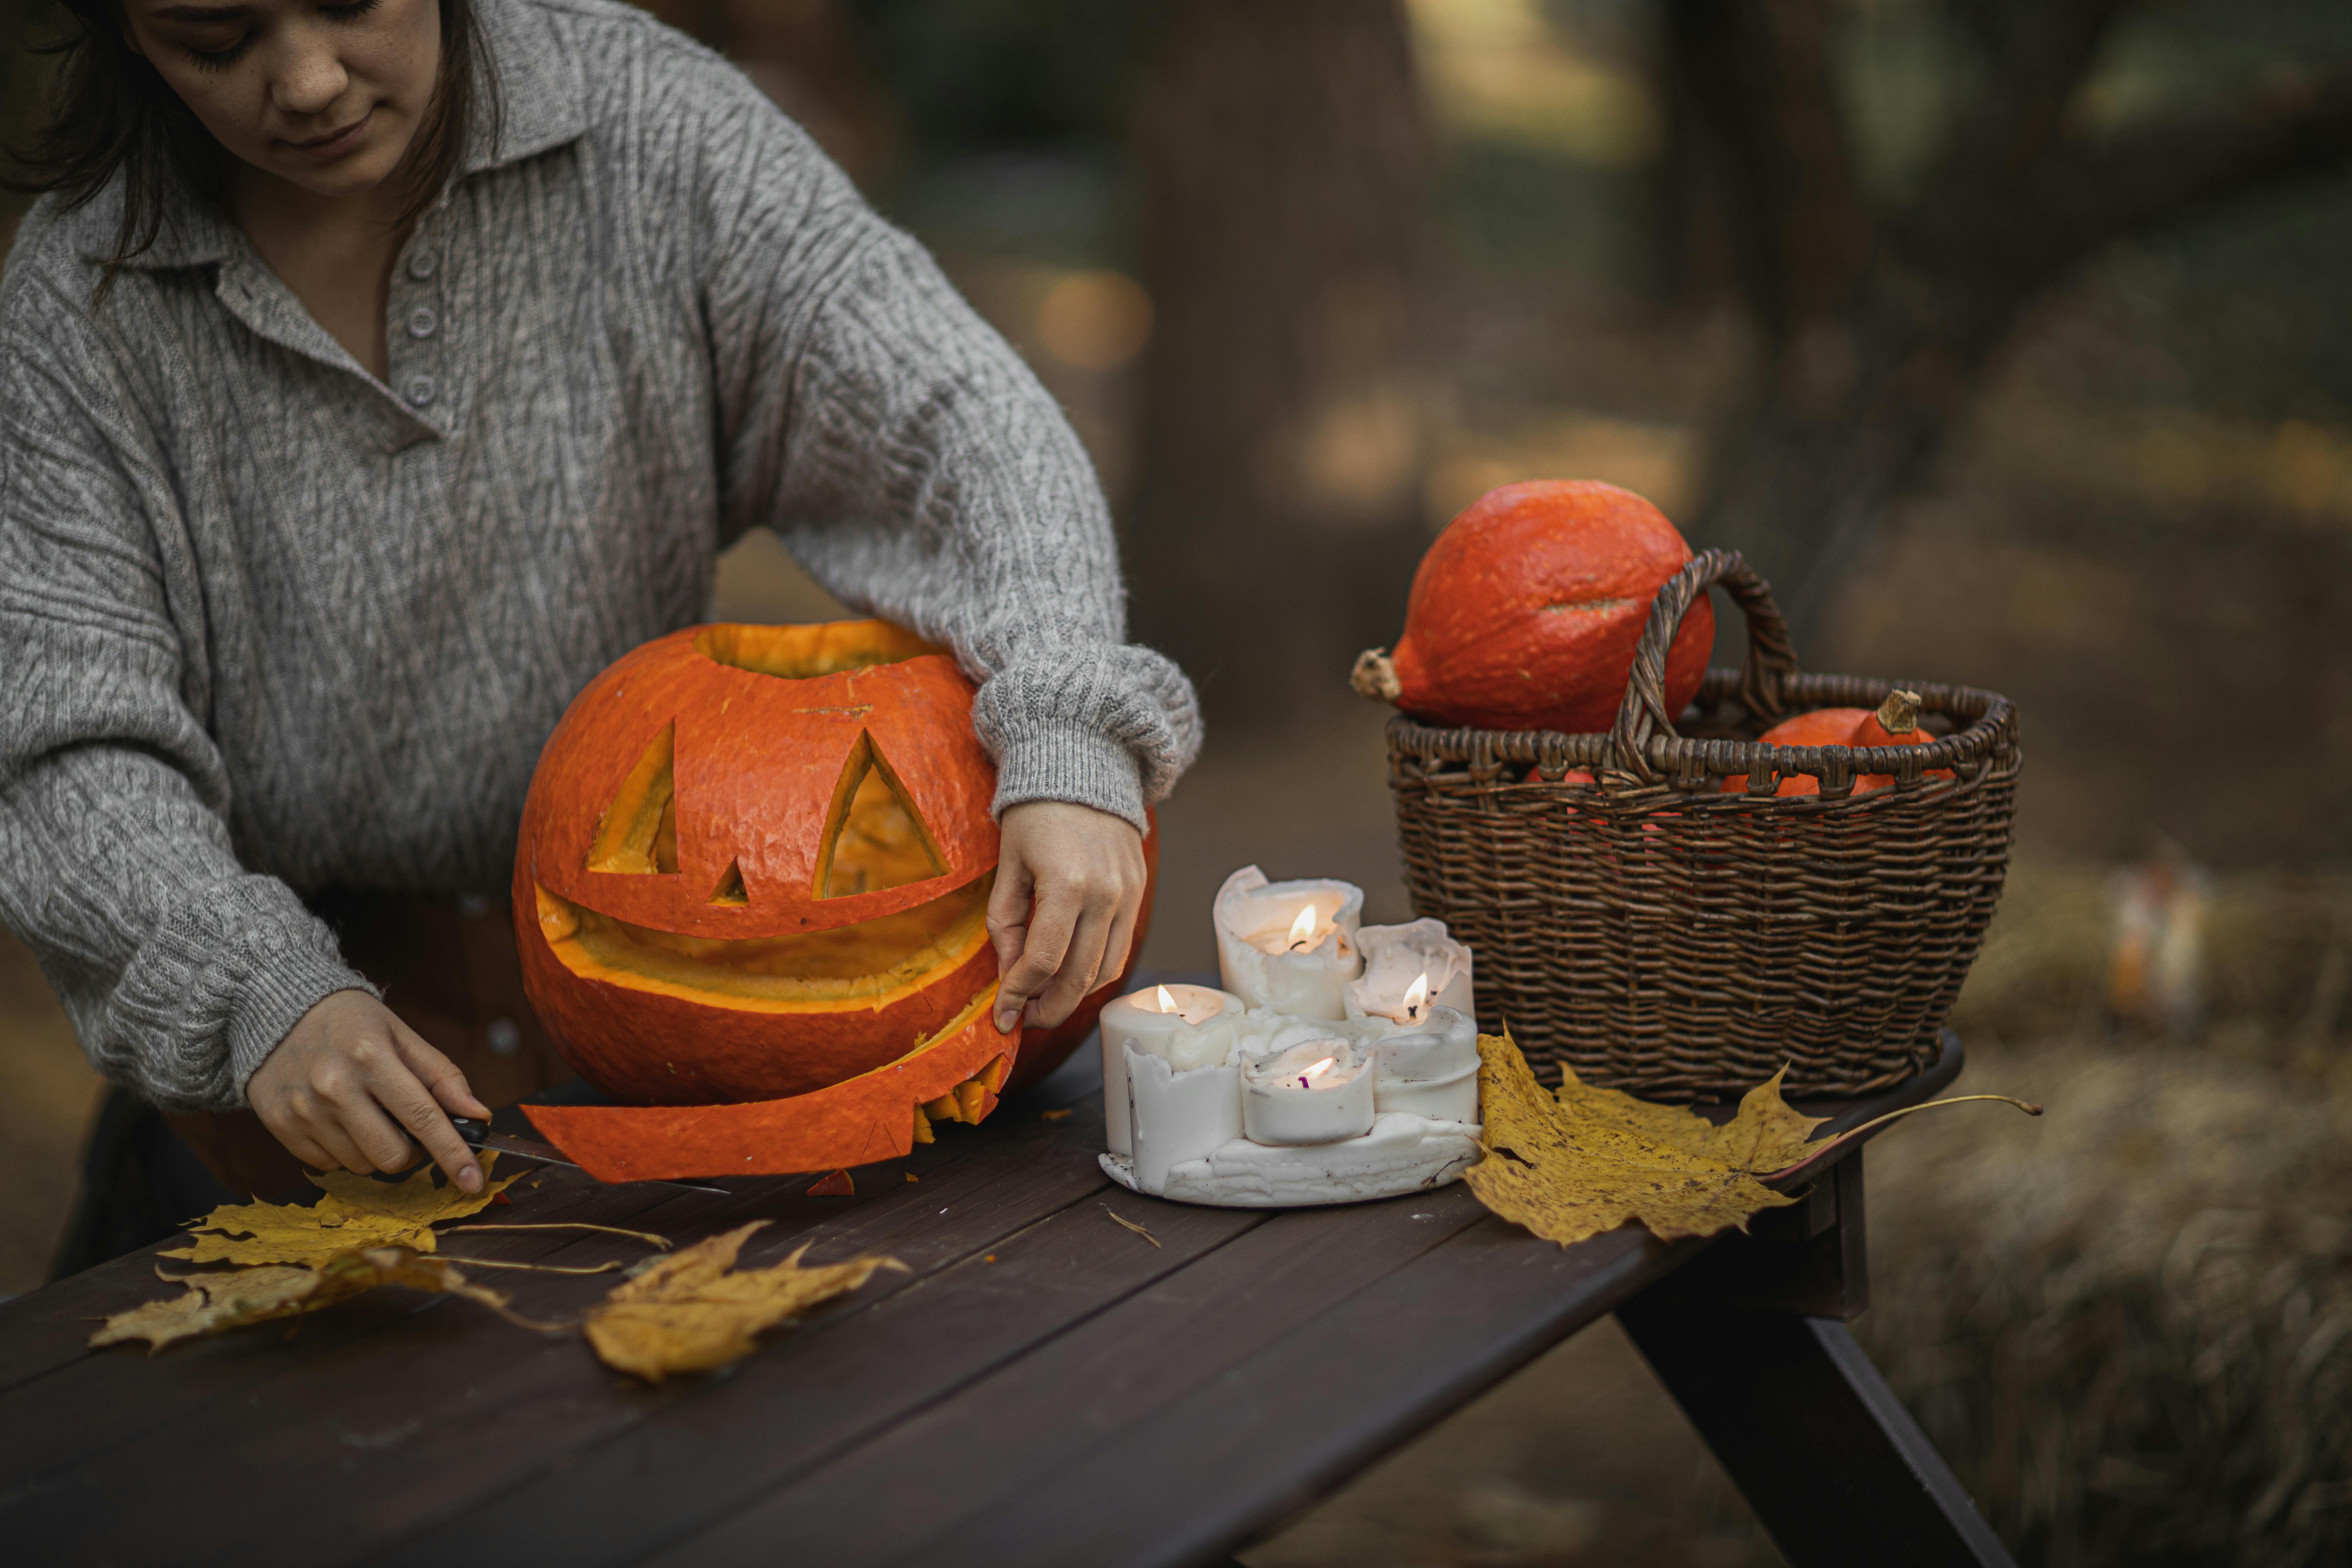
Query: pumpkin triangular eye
[[731, 889], [639, 833], [874, 837]]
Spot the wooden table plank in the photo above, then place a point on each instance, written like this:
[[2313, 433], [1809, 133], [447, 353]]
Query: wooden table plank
[[915, 1489], [460, 1404], [1014, 1468], [807, 1402]]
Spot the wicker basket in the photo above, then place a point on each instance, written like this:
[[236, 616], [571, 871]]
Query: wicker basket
[[1668, 938]]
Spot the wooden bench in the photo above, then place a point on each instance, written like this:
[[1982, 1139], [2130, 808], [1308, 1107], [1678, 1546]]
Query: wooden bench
[[1044, 1387]]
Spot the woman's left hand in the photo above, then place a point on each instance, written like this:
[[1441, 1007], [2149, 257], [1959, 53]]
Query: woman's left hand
[[1069, 887]]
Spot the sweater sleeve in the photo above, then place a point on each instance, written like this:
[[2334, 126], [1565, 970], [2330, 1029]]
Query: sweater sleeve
[[180, 970], [916, 467]]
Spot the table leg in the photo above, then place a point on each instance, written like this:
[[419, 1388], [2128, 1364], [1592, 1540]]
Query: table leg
[[1751, 1345]]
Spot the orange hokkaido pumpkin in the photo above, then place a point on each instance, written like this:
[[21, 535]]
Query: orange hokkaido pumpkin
[[1896, 724], [1525, 612], [754, 864]]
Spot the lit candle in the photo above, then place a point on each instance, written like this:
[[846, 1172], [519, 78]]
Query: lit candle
[[1187, 1026], [1409, 971], [1430, 1071], [1177, 1116], [1315, 1091], [1288, 946]]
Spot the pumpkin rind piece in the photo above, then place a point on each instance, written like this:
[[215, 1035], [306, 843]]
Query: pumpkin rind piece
[[866, 1119]]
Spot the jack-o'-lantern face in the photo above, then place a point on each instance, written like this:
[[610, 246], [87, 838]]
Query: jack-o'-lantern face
[[756, 862]]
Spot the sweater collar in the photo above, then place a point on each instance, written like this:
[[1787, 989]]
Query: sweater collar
[[542, 95]]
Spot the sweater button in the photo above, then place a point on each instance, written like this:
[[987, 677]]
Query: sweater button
[[421, 265], [421, 320], [420, 390]]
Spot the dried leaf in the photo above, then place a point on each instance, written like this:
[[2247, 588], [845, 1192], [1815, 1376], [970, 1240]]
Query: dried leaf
[[357, 1212], [227, 1300], [1572, 1166], [1132, 1226], [690, 1313]]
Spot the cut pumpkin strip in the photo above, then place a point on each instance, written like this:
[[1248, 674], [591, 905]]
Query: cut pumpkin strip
[[867, 1117]]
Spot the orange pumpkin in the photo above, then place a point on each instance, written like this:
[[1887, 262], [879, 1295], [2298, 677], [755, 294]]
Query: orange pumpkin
[[1896, 724], [1525, 612], [755, 864]]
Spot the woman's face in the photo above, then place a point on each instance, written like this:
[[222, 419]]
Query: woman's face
[[329, 97]]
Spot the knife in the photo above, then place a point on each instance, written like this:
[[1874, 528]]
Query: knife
[[477, 1135]]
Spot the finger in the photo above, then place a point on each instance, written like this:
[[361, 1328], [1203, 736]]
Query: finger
[[1049, 942], [412, 1105], [1080, 965], [1116, 950], [1008, 911], [294, 1139], [325, 1122], [381, 1144], [442, 1078]]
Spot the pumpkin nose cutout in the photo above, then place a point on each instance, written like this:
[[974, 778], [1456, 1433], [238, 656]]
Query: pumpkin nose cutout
[[731, 889], [874, 837], [638, 832]]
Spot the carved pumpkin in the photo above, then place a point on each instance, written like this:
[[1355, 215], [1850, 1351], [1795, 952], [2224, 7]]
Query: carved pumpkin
[[754, 865], [1525, 612]]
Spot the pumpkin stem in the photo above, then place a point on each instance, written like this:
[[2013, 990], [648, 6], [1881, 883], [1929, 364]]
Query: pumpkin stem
[[1899, 714], [1375, 676]]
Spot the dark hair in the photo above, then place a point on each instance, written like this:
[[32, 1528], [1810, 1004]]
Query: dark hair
[[112, 111]]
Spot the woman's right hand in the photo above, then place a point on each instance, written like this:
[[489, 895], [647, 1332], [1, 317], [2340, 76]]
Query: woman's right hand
[[345, 1081]]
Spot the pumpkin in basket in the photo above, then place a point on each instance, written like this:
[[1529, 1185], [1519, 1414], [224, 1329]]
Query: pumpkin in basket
[[1895, 724], [1525, 612], [755, 864]]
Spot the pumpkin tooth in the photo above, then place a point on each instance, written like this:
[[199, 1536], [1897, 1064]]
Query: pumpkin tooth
[[971, 1095], [922, 1126], [994, 1076], [944, 1109]]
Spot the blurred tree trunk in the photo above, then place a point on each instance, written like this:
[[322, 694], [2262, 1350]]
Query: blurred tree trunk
[[1878, 326], [1286, 170]]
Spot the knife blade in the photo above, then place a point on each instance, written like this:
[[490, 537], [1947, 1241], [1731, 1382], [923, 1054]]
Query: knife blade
[[477, 1135]]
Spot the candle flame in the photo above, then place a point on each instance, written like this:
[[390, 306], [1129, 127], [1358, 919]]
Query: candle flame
[[1415, 994], [1302, 929], [1167, 1002], [1319, 1068]]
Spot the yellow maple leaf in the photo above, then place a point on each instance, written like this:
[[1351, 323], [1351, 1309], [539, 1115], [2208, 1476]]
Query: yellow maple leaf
[[690, 1313], [1583, 1161], [227, 1300], [358, 1212]]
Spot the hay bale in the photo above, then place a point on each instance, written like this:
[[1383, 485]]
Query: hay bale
[[2128, 1325]]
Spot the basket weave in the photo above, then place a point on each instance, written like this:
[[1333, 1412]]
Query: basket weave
[[1681, 943]]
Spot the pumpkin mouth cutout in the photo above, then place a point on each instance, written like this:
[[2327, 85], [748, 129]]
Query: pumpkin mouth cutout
[[864, 967], [804, 653]]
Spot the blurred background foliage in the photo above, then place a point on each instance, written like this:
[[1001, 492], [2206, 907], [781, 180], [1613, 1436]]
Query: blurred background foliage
[[2009, 336]]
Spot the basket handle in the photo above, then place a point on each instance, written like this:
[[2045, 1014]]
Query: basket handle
[[1771, 659]]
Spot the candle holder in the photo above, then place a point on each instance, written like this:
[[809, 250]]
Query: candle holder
[[1300, 1112]]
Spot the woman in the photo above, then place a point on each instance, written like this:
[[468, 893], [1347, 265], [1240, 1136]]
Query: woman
[[373, 376]]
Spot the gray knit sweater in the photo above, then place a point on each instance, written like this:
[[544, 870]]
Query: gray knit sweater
[[267, 623]]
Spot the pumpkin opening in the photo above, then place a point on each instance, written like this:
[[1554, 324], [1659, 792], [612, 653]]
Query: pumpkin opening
[[731, 889], [873, 838], [868, 964], [638, 832], [803, 653]]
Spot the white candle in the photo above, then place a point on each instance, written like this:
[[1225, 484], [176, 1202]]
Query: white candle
[[1288, 946], [1410, 971], [1316, 1091], [1431, 1071], [1186, 1026], [1177, 1116]]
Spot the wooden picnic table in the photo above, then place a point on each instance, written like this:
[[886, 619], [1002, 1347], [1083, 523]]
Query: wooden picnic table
[[1044, 1386]]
